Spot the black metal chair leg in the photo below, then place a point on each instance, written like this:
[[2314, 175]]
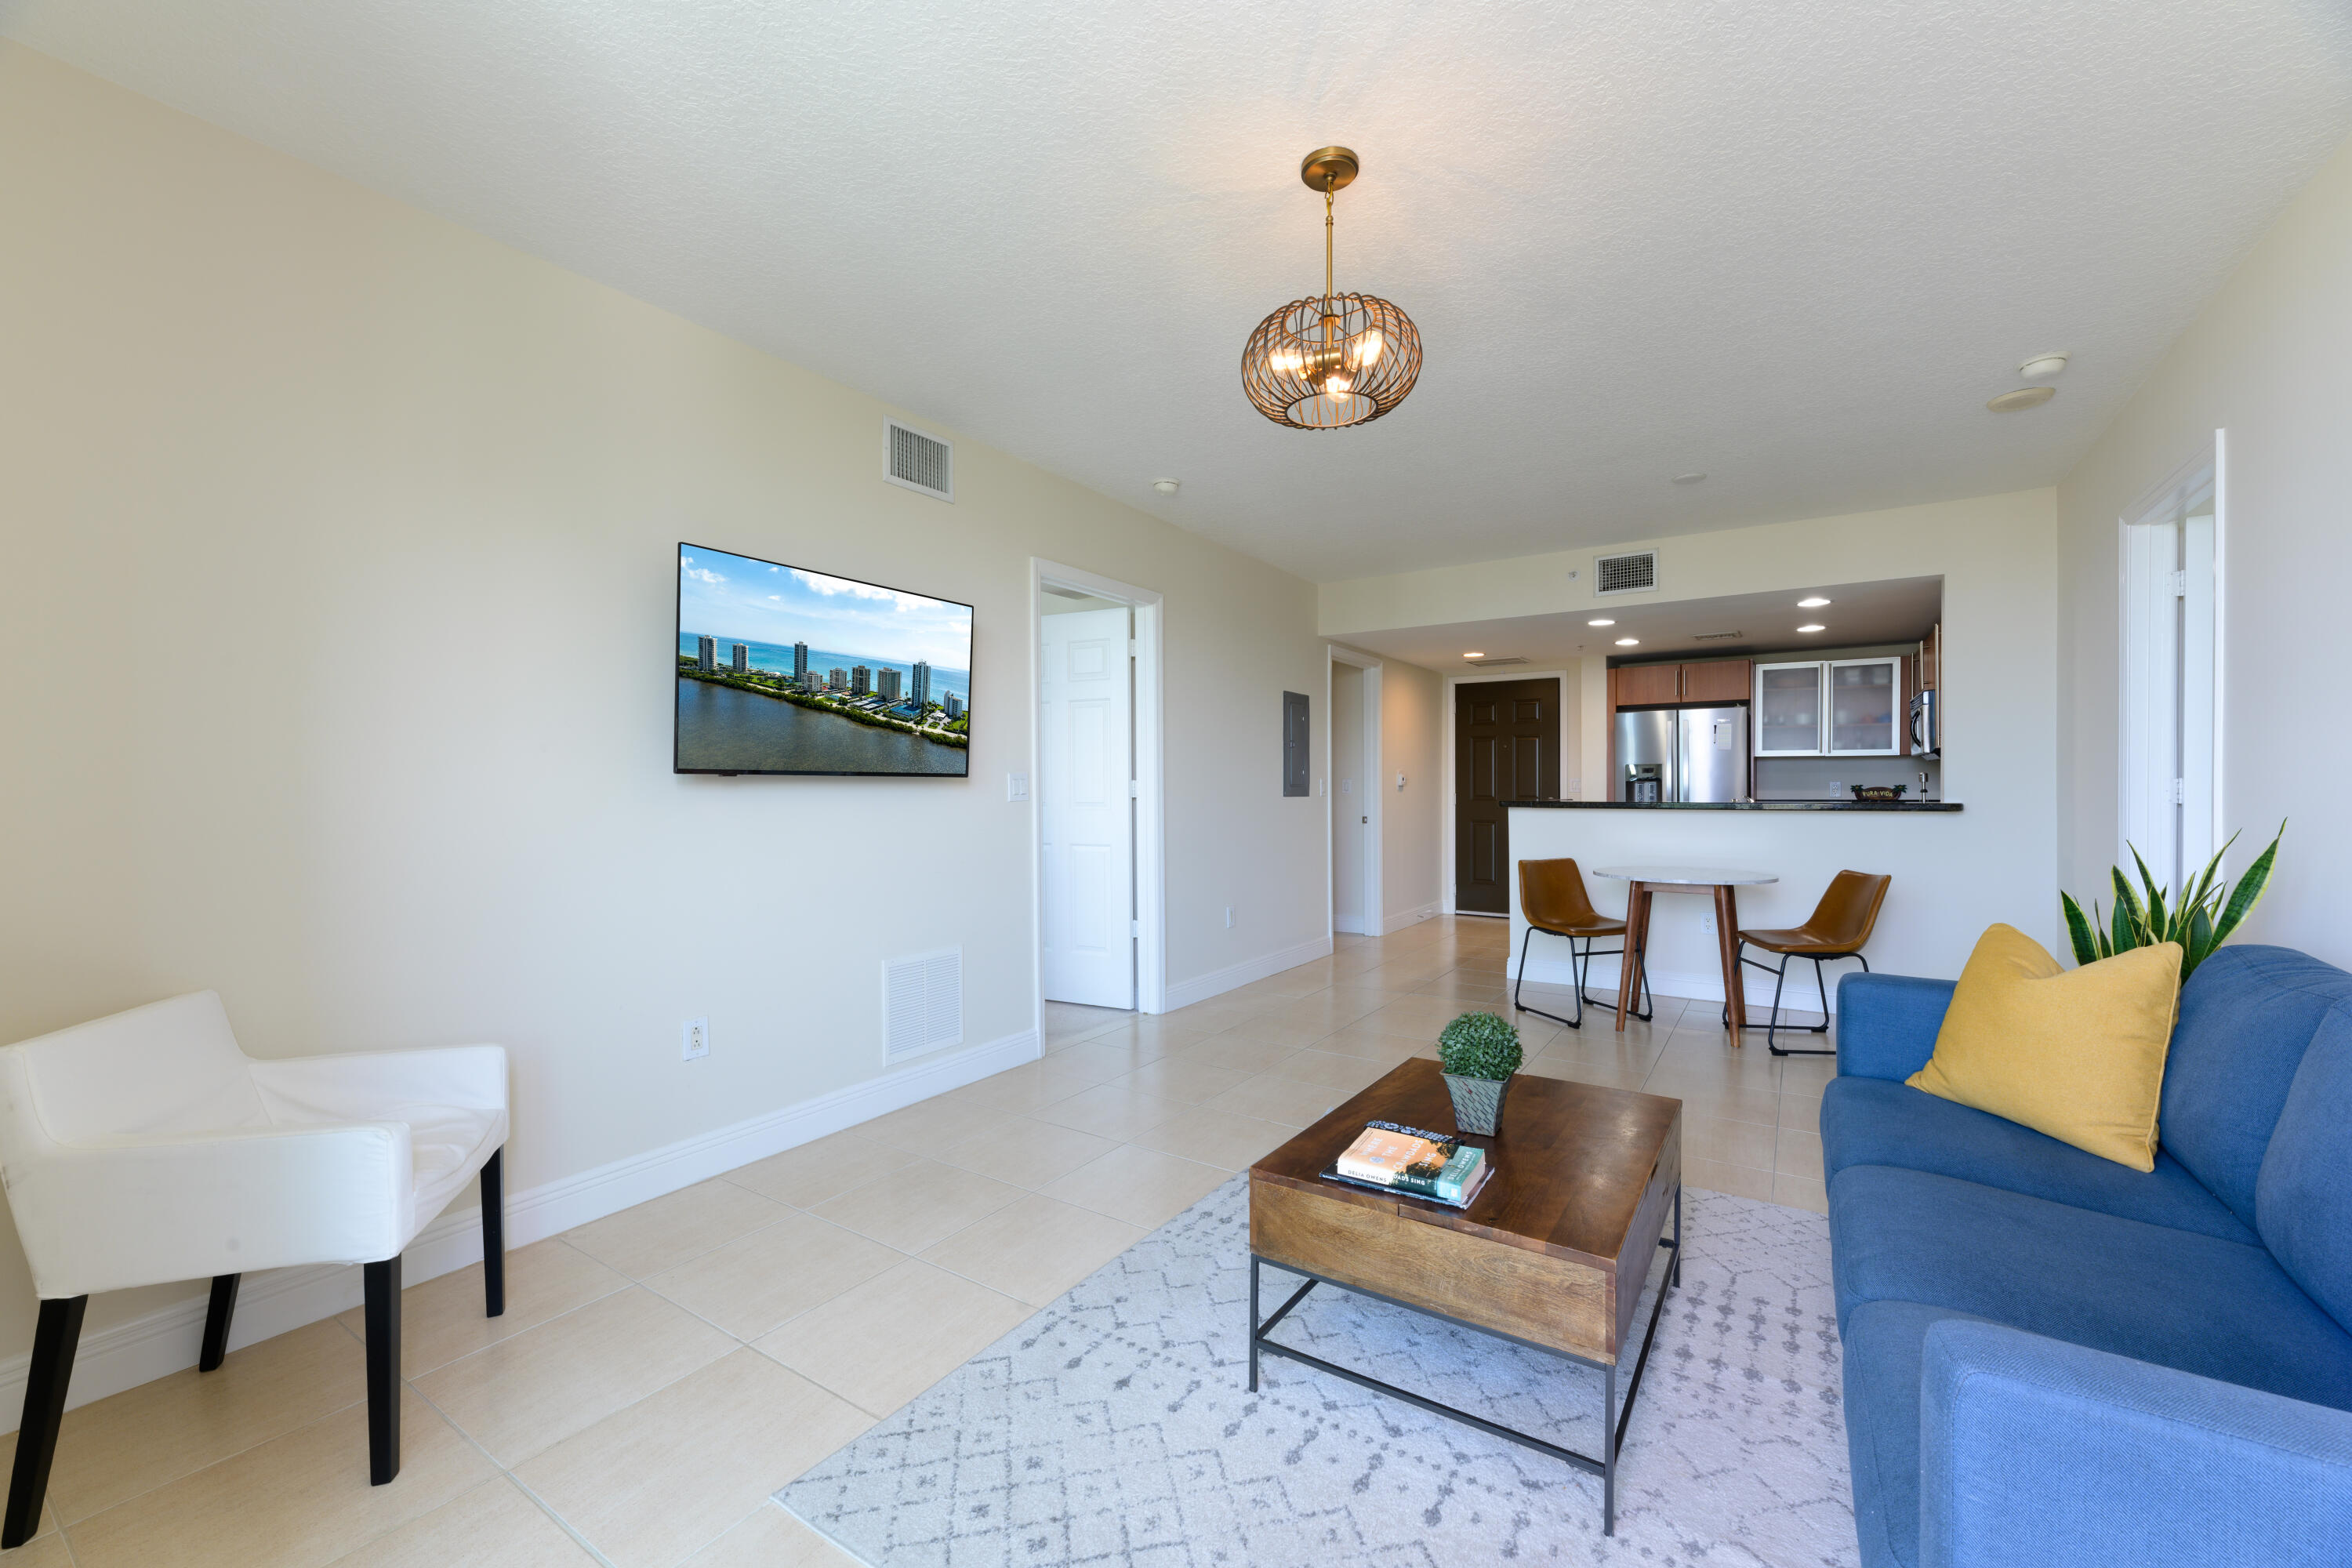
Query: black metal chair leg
[[383, 1285], [1521, 979], [1775, 1021], [218, 1312], [494, 1235], [55, 1339], [1821, 987]]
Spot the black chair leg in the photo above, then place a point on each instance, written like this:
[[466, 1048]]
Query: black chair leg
[[217, 1314], [1821, 987], [55, 1339], [1521, 979], [383, 1284], [494, 1235]]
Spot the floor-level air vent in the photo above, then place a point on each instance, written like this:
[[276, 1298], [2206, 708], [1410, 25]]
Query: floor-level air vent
[[922, 1002], [1633, 574], [1716, 637], [919, 462], [1491, 663]]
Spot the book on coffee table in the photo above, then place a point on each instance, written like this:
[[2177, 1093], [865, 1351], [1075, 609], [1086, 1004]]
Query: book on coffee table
[[1392, 1158]]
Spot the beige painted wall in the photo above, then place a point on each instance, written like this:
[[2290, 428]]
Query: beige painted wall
[[2270, 360], [1412, 743], [336, 595], [1997, 557]]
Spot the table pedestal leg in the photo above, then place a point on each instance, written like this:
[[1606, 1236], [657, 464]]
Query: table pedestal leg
[[1726, 937], [1637, 936]]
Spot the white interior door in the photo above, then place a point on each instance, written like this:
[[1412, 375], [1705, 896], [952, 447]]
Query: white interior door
[[1350, 802], [1085, 810]]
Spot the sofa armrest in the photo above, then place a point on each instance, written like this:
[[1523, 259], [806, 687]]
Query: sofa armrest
[[2034, 1451], [1886, 1023], [150, 1208], [360, 1086]]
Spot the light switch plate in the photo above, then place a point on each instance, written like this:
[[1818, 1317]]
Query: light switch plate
[[1016, 786]]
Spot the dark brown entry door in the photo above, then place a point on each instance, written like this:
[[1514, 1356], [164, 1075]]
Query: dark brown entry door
[[1505, 747]]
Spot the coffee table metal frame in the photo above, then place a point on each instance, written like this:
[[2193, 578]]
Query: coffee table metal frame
[[1614, 1417]]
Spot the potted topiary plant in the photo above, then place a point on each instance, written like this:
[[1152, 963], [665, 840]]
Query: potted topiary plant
[[1478, 1053]]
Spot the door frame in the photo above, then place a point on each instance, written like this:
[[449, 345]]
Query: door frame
[[1376, 908], [1151, 795], [1452, 719]]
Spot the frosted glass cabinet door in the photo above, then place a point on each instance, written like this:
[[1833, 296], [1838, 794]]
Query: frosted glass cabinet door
[[1788, 709], [1864, 697]]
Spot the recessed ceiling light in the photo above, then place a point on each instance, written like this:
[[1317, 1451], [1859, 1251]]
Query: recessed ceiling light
[[1165, 487], [1603, 621], [1815, 602], [1474, 653], [1629, 642], [2023, 397], [1816, 626], [2042, 367], [1690, 479]]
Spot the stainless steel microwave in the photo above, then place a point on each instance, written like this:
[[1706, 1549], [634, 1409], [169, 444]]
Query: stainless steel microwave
[[1927, 724]]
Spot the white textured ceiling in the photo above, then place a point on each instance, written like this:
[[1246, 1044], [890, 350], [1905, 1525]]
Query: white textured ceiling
[[1794, 244]]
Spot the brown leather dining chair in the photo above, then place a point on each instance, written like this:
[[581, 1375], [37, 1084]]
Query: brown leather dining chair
[[1838, 927], [1552, 897]]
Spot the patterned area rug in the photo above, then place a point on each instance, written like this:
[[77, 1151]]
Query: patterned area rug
[[1115, 1426]]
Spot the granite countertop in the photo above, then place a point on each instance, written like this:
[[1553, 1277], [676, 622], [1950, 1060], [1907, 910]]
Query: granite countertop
[[1739, 805]]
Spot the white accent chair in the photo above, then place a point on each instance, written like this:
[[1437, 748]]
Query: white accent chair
[[147, 1148]]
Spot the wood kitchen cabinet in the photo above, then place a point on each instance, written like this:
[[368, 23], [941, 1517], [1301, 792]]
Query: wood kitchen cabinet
[[1639, 683], [1719, 681]]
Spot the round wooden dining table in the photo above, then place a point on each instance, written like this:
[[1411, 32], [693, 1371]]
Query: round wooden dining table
[[1641, 881]]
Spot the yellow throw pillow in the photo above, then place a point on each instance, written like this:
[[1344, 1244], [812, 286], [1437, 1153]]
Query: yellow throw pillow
[[2077, 1053]]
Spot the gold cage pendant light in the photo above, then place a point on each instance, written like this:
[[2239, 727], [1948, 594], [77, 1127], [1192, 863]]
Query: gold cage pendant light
[[1333, 360]]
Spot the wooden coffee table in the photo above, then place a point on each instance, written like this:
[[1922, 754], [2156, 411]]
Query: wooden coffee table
[[1553, 1255]]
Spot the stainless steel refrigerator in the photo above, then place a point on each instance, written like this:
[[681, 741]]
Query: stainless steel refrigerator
[[1667, 756]]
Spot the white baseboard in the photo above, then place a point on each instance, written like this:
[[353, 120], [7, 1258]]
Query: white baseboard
[[1350, 925], [1217, 982], [1411, 917], [1698, 985], [166, 1339]]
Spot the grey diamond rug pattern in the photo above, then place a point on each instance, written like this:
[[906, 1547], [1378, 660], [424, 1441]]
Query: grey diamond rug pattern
[[1116, 1425]]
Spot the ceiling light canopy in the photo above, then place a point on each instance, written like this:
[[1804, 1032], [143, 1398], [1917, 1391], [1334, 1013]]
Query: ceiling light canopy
[[2023, 397], [1692, 478], [2042, 367], [1332, 359], [1815, 602]]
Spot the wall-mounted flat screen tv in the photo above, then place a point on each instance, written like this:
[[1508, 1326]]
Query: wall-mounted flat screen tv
[[785, 670]]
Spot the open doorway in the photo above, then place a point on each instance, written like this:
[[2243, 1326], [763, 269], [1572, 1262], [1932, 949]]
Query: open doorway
[[1354, 794], [2170, 658], [1098, 800]]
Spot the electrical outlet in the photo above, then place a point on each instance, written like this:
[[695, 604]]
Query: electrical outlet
[[1400, 782], [694, 1039], [1706, 923], [1229, 917]]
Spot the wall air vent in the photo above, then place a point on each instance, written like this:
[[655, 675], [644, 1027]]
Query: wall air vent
[[1716, 637], [1491, 663], [922, 1002], [918, 462], [1632, 573]]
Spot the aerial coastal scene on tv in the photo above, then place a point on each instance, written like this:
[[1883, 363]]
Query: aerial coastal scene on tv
[[785, 670]]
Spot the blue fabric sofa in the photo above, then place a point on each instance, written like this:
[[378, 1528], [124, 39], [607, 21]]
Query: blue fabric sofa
[[2052, 1359]]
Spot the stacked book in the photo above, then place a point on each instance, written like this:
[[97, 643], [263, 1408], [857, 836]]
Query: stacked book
[[1410, 1160]]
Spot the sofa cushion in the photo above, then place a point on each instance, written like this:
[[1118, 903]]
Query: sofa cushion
[[1870, 1122], [1884, 1346], [2305, 1197], [2220, 1309], [2246, 1016], [2076, 1053]]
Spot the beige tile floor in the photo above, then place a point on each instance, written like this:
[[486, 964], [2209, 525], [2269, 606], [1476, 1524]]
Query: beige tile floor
[[659, 1372]]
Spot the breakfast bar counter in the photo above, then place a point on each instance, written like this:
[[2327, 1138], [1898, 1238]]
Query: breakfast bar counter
[[1954, 873]]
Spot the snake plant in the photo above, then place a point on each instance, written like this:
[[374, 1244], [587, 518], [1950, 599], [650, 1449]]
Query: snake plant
[[2200, 919]]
